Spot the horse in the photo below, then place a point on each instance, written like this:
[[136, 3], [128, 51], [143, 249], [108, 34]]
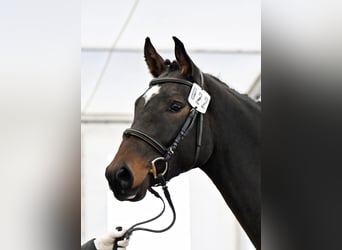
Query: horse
[[215, 129]]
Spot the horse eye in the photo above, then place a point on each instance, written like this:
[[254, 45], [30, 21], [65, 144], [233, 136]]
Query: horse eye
[[176, 106]]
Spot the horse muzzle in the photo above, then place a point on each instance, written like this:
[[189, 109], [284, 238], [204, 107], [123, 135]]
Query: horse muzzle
[[121, 181]]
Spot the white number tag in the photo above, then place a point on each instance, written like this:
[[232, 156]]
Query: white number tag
[[199, 98]]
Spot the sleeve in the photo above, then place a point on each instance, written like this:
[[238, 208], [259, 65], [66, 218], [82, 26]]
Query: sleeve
[[89, 245]]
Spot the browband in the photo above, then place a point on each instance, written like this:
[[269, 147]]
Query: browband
[[170, 80]]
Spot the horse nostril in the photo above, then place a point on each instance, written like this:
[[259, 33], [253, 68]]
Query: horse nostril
[[124, 177]]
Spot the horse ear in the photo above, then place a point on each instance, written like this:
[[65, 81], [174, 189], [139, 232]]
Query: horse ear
[[153, 60], [188, 68]]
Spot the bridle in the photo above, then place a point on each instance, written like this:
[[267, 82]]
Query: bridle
[[157, 168], [160, 165]]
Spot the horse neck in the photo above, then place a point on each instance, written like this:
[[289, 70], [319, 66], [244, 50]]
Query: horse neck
[[234, 165]]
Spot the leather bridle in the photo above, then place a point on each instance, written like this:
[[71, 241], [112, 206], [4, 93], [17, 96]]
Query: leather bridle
[[159, 166]]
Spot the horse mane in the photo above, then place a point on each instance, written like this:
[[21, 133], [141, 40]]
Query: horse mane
[[174, 66], [243, 97]]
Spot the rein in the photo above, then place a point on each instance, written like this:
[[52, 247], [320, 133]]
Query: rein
[[135, 226], [159, 166]]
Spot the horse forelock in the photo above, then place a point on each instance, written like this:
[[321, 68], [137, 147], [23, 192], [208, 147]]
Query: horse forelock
[[171, 66]]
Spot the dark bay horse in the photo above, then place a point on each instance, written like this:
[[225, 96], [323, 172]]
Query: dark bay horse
[[224, 140]]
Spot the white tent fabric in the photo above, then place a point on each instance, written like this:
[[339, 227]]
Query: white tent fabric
[[209, 25]]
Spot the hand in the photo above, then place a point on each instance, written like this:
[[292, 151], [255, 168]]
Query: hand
[[106, 242]]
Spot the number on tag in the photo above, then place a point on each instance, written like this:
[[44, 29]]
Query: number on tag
[[199, 98]]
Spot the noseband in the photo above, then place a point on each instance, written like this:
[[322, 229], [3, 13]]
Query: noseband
[[159, 166]]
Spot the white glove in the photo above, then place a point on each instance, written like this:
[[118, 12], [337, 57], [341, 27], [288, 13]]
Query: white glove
[[106, 242]]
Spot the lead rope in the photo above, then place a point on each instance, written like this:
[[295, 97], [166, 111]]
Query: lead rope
[[135, 226]]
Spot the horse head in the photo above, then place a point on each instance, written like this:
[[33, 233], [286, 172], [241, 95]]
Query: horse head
[[160, 114]]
